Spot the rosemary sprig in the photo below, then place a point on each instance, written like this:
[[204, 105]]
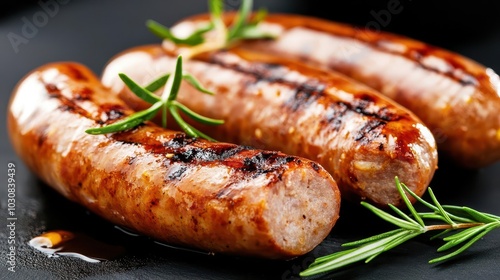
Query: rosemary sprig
[[165, 103], [242, 28], [471, 224]]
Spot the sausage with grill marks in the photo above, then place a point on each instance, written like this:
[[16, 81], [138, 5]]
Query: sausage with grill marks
[[456, 97], [217, 197], [362, 138]]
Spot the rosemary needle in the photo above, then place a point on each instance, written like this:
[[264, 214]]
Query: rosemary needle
[[471, 225], [166, 103], [242, 28]]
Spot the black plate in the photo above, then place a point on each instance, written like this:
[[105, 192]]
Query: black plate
[[91, 32]]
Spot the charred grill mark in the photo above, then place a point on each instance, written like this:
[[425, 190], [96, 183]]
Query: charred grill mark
[[305, 93], [336, 114], [456, 71], [266, 71], [242, 159], [368, 132], [265, 162], [386, 115], [464, 80], [109, 112], [194, 152], [301, 98], [120, 142], [468, 80], [315, 166], [254, 163], [363, 102], [383, 114], [309, 92], [177, 172], [180, 140], [177, 149], [304, 96], [70, 106], [270, 72], [362, 107], [114, 114], [312, 86]]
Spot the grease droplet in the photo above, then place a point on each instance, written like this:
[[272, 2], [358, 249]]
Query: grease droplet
[[58, 243]]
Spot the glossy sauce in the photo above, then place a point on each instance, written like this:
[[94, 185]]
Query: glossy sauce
[[58, 243]]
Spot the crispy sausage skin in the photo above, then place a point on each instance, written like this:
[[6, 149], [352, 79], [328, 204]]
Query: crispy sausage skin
[[457, 98], [362, 138], [215, 196]]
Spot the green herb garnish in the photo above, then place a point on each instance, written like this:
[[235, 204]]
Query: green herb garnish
[[165, 103], [242, 28], [473, 225]]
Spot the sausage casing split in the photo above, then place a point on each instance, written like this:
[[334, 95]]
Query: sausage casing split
[[217, 197], [457, 98], [362, 138]]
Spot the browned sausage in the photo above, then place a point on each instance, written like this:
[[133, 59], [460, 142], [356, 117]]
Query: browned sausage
[[362, 138], [215, 196], [457, 98]]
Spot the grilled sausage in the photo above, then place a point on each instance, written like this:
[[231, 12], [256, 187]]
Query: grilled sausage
[[213, 196], [362, 138], [457, 98]]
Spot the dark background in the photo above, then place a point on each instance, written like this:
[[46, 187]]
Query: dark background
[[91, 32]]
